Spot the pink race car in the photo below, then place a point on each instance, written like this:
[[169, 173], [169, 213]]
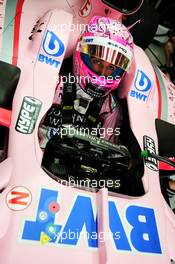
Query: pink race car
[[44, 220]]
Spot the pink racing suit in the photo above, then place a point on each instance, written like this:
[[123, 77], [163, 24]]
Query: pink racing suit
[[110, 116]]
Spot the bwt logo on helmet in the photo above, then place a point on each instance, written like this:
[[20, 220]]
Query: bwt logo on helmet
[[143, 85], [53, 47]]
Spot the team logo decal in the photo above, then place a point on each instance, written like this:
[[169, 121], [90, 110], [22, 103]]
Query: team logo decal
[[52, 47], [142, 85]]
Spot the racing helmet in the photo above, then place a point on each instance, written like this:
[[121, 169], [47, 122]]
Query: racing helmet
[[126, 7], [103, 55]]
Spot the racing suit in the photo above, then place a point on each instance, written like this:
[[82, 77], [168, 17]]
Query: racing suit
[[109, 122], [110, 115]]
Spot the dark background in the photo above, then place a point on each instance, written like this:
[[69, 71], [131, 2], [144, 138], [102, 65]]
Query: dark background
[[152, 13]]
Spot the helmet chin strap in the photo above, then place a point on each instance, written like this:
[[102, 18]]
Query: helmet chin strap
[[81, 95]]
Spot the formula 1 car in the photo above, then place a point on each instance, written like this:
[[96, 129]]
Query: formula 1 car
[[44, 220]]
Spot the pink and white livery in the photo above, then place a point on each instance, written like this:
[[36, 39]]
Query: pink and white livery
[[41, 220]]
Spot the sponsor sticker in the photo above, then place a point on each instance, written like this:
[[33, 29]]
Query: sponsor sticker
[[53, 48], [18, 198], [143, 236], [149, 145], [28, 115], [142, 86]]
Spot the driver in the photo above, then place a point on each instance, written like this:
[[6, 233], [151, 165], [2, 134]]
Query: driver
[[103, 55], [89, 102]]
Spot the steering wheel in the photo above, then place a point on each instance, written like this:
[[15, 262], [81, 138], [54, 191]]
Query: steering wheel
[[83, 157]]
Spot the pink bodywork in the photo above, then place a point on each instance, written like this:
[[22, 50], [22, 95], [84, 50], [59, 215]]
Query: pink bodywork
[[23, 165]]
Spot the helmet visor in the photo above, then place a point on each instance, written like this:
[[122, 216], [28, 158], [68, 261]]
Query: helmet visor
[[124, 6], [105, 61]]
